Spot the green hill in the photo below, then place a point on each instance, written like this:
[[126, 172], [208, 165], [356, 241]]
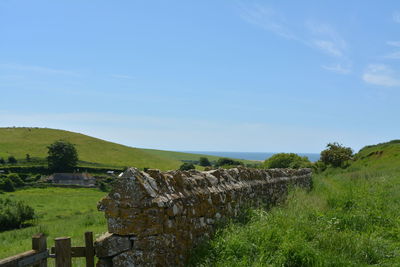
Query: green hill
[[92, 151], [384, 155]]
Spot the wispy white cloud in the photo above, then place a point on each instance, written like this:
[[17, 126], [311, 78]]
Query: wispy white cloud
[[326, 39], [122, 76], [37, 69], [396, 16], [268, 19], [338, 68], [394, 55], [319, 36], [328, 47], [380, 74], [393, 43]]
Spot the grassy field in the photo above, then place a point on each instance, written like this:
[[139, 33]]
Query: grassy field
[[60, 212], [350, 218], [92, 151]]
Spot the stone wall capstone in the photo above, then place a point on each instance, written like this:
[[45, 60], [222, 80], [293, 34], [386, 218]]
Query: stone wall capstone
[[155, 218]]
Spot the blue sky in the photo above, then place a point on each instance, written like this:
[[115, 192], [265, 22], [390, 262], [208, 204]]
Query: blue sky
[[276, 76]]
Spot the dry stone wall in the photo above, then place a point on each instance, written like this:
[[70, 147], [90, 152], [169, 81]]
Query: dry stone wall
[[154, 218]]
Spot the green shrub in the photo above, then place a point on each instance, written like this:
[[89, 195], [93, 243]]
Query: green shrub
[[336, 155], [14, 213], [287, 160], [227, 162], [7, 185], [2, 161], [203, 161], [12, 160], [187, 166], [16, 180]]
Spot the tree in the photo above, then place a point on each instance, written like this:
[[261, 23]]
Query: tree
[[62, 156], [336, 155], [12, 160], [2, 161], [28, 157], [204, 162], [287, 160], [186, 166]]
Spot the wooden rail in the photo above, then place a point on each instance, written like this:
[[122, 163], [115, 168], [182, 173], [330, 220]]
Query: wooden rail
[[62, 253]]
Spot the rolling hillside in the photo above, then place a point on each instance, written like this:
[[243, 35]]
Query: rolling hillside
[[92, 151]]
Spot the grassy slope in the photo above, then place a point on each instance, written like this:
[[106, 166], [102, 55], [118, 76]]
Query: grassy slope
[[187, 156], [350, 218], [60, 212], [34, 141]]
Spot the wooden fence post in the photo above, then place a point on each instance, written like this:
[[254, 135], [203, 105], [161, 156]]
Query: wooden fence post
[[39, 244], [89, 250], [63, 252]]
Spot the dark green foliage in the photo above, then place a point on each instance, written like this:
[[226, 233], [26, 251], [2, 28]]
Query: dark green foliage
[[28, 158], [62, 156], [14, 213], [203, 161], [16, 179], [103, 187], [287, 160], [336, 155], [7, 185], [12, 160], [186, 166], [227, 162], [2, 161]]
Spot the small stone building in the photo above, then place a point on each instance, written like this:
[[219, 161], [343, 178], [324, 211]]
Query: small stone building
[[83, 179]]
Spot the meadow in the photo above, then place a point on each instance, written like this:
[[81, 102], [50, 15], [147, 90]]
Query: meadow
[[59, 212]]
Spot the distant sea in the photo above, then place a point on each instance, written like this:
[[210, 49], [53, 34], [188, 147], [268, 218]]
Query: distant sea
[[251, 155]]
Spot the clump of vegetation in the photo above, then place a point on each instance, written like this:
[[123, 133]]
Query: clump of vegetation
[[14, 213], [62, 156], [221, 162], [2, 161], [12, 160], [6, 185], [336, 155], [203, 161], [287, 160], [187, 166]]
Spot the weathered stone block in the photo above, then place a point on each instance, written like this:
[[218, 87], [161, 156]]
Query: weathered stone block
[[111, 244]]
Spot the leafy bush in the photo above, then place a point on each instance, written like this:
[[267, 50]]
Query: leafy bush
[[2, 161], [16, 179], [7, 185], [186, 166], [14, 213], [227, 162], [336, 155], [12, 160], [204, 162], [287, 160]]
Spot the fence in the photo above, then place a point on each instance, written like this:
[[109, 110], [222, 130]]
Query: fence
[[62, 253]]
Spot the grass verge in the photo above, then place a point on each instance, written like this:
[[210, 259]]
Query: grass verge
[[348, 219]]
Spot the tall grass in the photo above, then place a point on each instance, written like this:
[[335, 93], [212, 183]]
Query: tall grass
[[348, 219]]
